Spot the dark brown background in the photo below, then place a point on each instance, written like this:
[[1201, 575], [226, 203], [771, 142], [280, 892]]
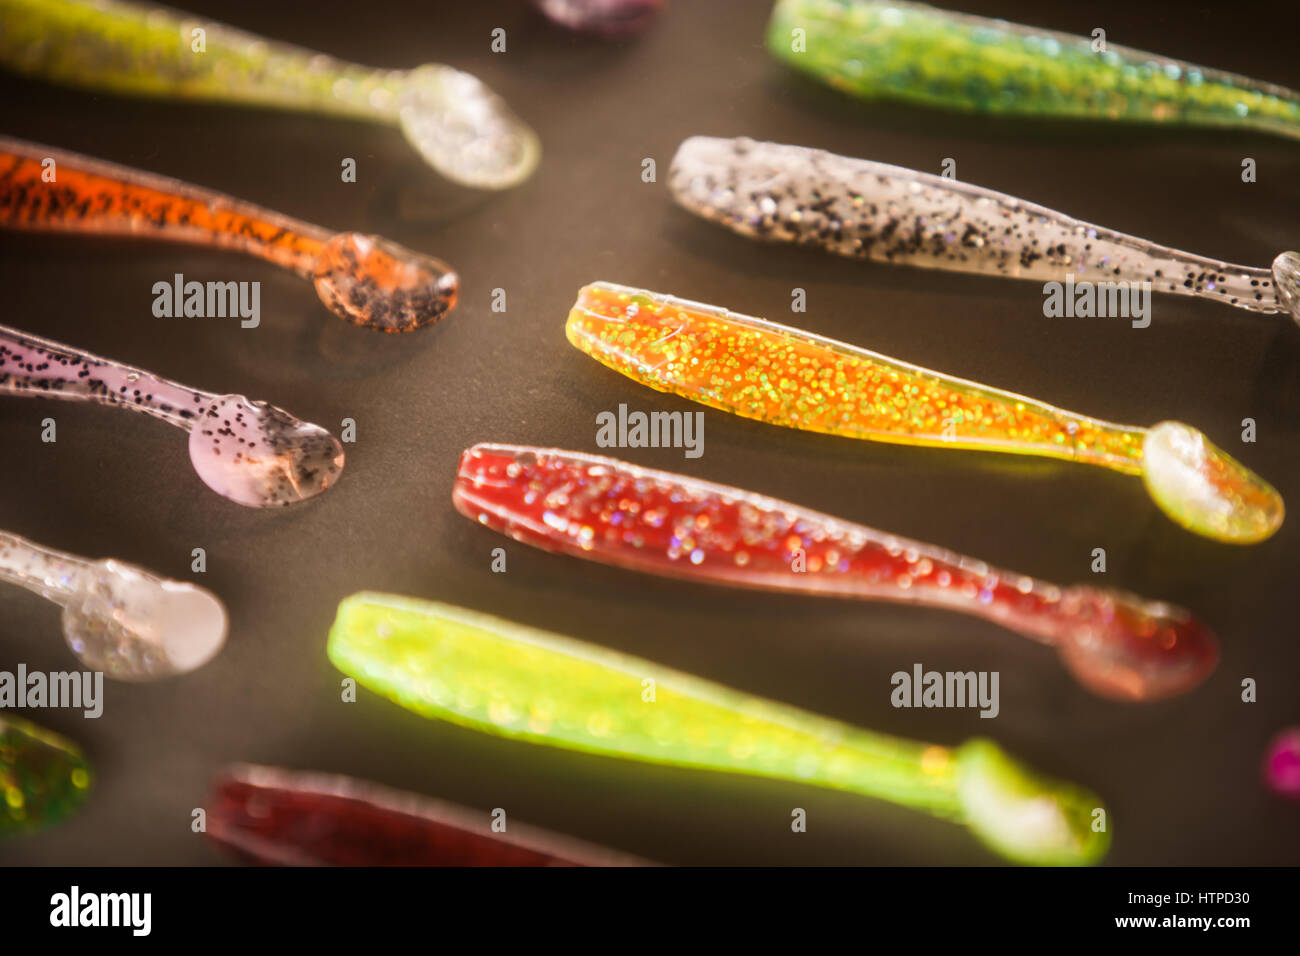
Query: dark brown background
[[1181, 777]]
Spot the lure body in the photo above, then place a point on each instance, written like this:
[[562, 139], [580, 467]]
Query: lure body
[[290, 818], [918, 53], [657, 522], [758, 369], [459, 126], [44, 777], [481, 672], [367, 280], [118, 618], [251, 452], [868, 210]]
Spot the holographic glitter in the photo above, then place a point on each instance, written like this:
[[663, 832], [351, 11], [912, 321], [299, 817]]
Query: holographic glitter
[[118, 618], [867, 210], [458, 125], [250, 452], [292, 818], [367, 280], [43, 777], [605, 510], [908, 51], [758, 369], [491, 675]]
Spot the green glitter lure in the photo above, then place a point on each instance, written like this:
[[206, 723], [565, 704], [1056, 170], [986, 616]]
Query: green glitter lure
[[43, 777], [909, 51], [457, 124], [491, 675]]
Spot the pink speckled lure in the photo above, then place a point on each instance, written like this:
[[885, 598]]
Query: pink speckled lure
[[250, 452], [784, 376], [605, 510], [868, 210], [364, 279]]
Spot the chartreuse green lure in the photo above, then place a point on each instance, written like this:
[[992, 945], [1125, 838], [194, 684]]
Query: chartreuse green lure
[[458, 125], [482, 672], [910, 51], [43, 777]]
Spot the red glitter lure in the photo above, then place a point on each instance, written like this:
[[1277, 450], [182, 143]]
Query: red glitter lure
[[290, 818], [1115, 643]]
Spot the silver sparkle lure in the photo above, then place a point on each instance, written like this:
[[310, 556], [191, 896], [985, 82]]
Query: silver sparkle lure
[[868, 210]]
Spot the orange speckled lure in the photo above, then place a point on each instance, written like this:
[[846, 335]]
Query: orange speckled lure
[[784, 376], [365, 279]]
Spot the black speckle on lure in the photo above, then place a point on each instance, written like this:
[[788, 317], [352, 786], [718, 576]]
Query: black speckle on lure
[[869, 210], [250, 452], [367, 280], [933, 57]]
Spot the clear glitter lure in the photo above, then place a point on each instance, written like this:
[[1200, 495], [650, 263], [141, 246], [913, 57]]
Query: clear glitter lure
[[44, 778], [600, 509], [279, 817], [917, 53], [783, 376], [365, 279], [868, 210], [481, 672], [459, 126], [118, 618], [250, 452]]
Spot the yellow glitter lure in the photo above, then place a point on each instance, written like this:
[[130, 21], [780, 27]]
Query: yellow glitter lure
[[482, 672], [784, 376]]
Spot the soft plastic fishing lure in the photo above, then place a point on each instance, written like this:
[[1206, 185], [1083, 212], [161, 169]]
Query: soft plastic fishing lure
[[365, 279], [1282, 764], [887, 48], [458, 125], [44, 777], [283, 817], [119, 618], [868, 210], [481, 672], [609, 511], [611, 18], [250, 452], [784, 376]]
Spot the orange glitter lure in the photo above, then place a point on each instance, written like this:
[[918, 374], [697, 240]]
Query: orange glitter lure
[[365, 279], [784, 376]]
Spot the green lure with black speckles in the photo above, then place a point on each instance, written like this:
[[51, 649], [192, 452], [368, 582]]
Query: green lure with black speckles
[[918, 53]]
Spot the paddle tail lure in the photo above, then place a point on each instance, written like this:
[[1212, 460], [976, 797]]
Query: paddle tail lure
[[491, 675], [251, 452], [760, 370], [119, 618], [280, 817], [44, 777], [913, 52], [609, 511], [458, 125], [867, 210], [365, 279]]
